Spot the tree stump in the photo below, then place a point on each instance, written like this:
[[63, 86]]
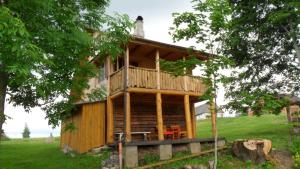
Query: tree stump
[[255, 150]]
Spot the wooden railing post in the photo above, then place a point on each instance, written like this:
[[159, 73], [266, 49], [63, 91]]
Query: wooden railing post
[[184, 77], [188, 116], [126, 68], [108, 68], [157, 69]]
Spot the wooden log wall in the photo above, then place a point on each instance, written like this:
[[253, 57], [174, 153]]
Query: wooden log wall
[[90, 128], [144, 116]]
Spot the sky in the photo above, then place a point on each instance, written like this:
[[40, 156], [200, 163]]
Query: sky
[[157, 16]]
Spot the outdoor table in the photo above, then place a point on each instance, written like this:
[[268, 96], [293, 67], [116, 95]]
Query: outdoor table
[[144, 133]]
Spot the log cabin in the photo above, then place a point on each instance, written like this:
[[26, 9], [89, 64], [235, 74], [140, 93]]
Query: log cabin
[[143, 102]]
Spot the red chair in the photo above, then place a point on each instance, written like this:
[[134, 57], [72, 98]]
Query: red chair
[[177, 132], [168, 133]]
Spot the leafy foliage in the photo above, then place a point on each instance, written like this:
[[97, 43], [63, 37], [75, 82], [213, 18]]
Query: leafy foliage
[[47, 48], [262, 42], [260, 38], [295, 149]]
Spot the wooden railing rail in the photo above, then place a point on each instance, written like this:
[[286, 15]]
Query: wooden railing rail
[[142, 78], [116, 81], [147, 78]]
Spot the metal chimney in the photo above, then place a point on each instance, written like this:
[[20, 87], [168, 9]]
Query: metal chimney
[[139, 27]]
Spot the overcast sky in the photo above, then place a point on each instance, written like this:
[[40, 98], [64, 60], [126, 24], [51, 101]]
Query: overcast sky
[[157, 16]]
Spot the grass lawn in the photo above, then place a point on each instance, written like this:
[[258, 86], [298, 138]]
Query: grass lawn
[[36, 154], [272, 127]]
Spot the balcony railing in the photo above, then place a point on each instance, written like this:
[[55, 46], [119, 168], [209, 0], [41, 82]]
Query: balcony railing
[[147, 78]]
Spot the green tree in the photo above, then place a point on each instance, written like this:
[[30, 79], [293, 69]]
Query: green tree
[[44, 50], [26, 132], [261, 37]]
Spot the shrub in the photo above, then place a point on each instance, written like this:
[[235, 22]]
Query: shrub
[[295, 149]]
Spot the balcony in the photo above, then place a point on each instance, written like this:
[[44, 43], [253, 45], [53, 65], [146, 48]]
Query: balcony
[[143, 78]]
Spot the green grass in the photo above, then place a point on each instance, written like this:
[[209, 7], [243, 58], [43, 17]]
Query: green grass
[[273, 127], [36, 154]]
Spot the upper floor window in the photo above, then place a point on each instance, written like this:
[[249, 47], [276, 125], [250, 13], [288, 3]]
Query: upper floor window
[[102, 72]]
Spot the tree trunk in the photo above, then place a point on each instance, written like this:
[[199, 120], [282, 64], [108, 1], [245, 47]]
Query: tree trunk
[[255, 150], [288, 113], [3, 88]]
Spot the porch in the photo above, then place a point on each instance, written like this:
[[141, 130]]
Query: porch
[[151, 117]]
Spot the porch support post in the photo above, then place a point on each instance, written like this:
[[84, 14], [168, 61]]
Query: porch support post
[[158, 100], [109, 103], [188, 116], [110, 121], [108, 72], [194, 120], [159, 117], [213, 117], [184, 77], [128, 119], [127, 98]]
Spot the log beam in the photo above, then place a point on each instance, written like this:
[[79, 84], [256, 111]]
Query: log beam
[[188, 116], [167, 92]]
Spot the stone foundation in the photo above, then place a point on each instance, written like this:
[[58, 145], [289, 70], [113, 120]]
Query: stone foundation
[[131, 156], [165, 152], [195, 148]]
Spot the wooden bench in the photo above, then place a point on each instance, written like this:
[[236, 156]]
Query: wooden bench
[[144, 133]]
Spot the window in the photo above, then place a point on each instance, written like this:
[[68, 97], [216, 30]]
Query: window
[[102, 72]]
